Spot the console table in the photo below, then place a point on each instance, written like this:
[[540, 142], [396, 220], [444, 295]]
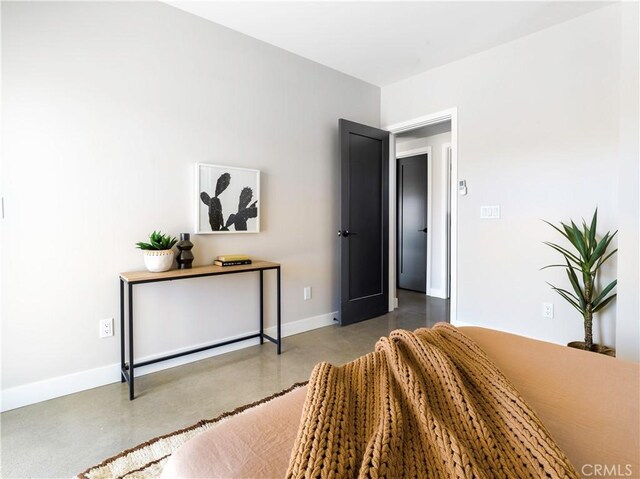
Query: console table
[[141, 277]]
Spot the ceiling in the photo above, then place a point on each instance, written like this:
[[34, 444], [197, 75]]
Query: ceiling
[[384, 42]]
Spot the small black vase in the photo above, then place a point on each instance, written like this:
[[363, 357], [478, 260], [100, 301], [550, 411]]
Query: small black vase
[[185, 256]]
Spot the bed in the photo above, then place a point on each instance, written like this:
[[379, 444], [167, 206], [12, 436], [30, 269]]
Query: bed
[[588, 402]]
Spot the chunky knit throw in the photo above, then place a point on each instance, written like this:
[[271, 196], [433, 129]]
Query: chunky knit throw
[[427, 404]]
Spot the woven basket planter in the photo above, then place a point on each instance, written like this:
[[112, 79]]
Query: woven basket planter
[[597, 348]]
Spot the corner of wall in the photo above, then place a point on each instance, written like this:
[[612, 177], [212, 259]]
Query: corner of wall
[[628, 303]]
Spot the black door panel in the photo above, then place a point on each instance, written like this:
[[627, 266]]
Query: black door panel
[[412, 222], [364, 250]]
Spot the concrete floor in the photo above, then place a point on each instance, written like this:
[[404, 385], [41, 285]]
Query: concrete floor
[[64, 436]]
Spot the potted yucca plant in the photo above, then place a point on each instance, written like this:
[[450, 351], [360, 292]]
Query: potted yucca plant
[[583, 261], [158, 255]]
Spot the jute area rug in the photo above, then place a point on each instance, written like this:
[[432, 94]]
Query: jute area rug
[[146, 460]]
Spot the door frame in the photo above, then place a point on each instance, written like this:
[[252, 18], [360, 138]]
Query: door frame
[[406, 154], [446, 200], [450, 114]]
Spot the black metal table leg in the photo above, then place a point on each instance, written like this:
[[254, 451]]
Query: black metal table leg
[[127, 365], [261, 306], [131, 374], [122, 378], [278, 319]]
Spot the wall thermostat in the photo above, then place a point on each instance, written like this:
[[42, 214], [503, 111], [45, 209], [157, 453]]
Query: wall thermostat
[[462, 187]]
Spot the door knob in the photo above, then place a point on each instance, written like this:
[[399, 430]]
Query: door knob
[[345, 233], [424, 230]]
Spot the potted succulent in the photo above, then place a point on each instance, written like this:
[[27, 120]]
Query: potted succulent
[[158, 255], [583, 261]]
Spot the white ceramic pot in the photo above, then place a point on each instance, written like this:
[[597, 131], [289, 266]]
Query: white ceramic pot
[[157, 261]]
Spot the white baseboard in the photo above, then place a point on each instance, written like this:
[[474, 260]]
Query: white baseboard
[[39, 391], [438, 293], [59, 386], [302, 325]]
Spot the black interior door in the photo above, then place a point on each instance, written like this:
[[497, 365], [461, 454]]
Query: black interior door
[[412, 223], [364, 230]]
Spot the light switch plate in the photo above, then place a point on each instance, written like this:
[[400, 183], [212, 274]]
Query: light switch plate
[[490, 212]]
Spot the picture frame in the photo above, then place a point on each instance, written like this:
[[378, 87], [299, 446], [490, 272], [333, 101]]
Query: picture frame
[[227, 199]]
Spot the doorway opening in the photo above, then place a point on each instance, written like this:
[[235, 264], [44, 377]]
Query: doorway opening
[[423, 232]]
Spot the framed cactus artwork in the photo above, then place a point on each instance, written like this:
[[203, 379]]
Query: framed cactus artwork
[[227, 199]]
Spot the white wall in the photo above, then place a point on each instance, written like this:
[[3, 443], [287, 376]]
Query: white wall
[[538, 134], [628, 303], [106, 108], [438, 205]]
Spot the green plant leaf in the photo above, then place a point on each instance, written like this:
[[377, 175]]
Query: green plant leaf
[[564, 253], [593, 227], [610, 238], [604, 303], [570, 235], [587, 236], [169, 241], [564, 291], [559, 266], [599, 250], [557, 229], [158, 241], [568, 297], [580, 244], [602, 261], [573, 279], [604, 292]]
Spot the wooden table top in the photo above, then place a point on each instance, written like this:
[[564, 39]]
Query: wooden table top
[[209, 270]]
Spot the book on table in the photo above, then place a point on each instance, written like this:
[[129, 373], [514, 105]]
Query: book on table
[[233, 257], [227, 261]]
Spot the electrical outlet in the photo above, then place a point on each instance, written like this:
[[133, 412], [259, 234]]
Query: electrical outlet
[[307, 293], [547, 310], [106, 328]]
